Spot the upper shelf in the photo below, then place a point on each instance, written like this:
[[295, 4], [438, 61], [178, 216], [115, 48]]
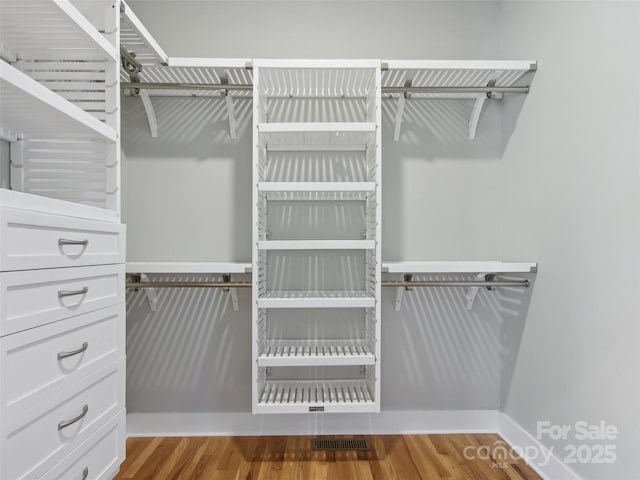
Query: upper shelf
[[52, 30], [136, 38], [318, 78], [456, 74], [30, 109], [387, 267], [458, 267]]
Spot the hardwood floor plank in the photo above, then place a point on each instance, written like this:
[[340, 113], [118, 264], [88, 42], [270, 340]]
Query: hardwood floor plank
[[390, 457]]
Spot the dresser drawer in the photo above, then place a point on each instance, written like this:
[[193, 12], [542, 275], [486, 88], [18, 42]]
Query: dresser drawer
[[98, 458], [30, 240], [32, 443], [37, 297], [39, 362]]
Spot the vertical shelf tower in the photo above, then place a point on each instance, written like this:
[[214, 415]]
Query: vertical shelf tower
[[316, 236]]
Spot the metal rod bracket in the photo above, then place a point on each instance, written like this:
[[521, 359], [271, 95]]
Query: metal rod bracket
[[400, 291], [472, 292], [228, 278], [150, 293]]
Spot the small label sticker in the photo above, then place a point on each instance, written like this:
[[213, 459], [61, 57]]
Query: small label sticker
[[316, 409]]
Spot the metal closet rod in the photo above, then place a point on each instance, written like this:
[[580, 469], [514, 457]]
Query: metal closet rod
[[426, 283], [248, 87]]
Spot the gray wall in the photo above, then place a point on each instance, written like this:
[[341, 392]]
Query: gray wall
[[573, 164]]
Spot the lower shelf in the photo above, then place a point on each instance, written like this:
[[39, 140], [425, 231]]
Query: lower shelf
[[280, 353], [304, 299], [318, 396]]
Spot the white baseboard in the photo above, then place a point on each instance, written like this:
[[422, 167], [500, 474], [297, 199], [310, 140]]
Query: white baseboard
[[539, 457], [242, 424]]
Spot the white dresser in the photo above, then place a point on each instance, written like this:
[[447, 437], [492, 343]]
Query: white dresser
[[62, 247], [62, 337]]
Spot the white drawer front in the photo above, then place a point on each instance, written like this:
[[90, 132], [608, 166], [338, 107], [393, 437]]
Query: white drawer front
[[33, 298], [31, 240], [96, 459], [32, 443], [39, 362]]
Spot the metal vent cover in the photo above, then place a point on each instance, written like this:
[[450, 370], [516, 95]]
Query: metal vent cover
[[340, 444]]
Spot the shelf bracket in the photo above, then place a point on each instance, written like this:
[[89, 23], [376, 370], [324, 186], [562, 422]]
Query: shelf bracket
[[231, 291], [402, 100], [472, 292], [400, 291], [16, 161], [151, 113], [478, 105], [150, 293], [133, 68], [7, 135], [231, 112]]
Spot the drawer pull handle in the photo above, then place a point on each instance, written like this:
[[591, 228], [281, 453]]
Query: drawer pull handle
[[66, 423], [85, 473], [70, 293], [62, 355], [65, 241]]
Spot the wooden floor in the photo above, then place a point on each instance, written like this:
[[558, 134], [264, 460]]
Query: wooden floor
[[402, 457]]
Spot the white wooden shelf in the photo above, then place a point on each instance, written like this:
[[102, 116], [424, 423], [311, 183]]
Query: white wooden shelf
[[331, 127], [51, 30], [302, 299], [188, 267], [279, 353], [30, 109], [27, 201], [311, 135], [136, 38], [387, 267], [453, 73], [329, 187], [316, 244], [326, 395], [320, 191], [454, 79], [458, 267]]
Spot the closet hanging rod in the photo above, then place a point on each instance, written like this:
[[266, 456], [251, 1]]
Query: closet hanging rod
[[249, 87], [160, 284], [427, 283], [186, 86], [445, 89], [459, 283]]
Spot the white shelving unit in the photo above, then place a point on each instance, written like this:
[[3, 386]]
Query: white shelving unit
[[308, 273], [61, 98], [31, 110], [62, 359], [52, 30]]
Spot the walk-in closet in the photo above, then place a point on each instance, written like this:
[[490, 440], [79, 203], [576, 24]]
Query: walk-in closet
[[319, 239]]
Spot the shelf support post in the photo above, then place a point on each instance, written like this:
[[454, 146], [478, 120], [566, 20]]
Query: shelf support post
[[402, 100], [227, 278]]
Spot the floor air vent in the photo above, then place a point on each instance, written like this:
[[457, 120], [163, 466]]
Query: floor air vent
[[340, 444]]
